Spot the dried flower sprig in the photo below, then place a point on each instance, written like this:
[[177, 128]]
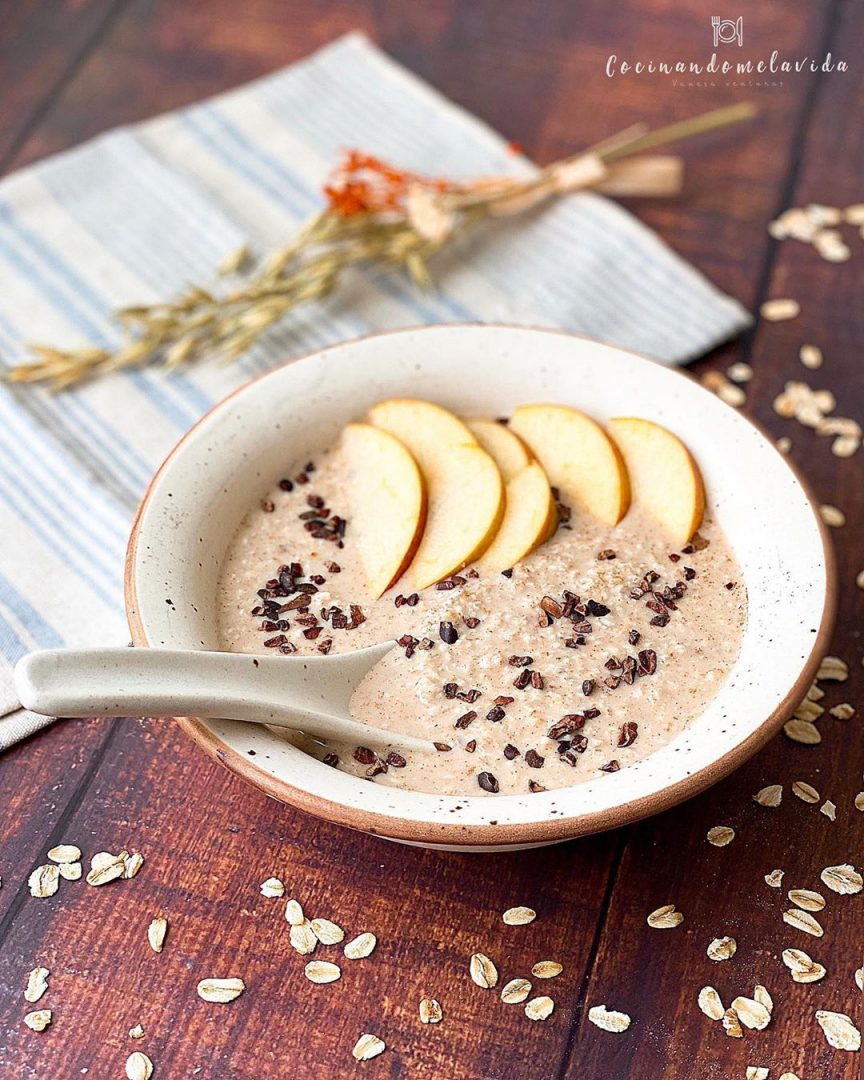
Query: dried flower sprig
[[375, 214]]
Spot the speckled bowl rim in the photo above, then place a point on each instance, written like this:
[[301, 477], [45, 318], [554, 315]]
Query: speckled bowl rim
[[489, 835]]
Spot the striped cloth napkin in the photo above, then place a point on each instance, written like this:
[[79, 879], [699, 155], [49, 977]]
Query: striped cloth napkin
[[139, 213]]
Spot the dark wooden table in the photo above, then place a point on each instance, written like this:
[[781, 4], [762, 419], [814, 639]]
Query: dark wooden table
[[70, 70]]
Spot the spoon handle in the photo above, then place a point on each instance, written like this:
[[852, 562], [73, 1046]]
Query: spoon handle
[[284, 692]]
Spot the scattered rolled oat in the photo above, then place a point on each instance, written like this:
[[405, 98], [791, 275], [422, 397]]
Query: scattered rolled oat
[[832, 516], [772, 795], [139, 1066], [328, 933], [322, 971], [829, 809], [843, 879], [774, 879], [367, 1047], [810, 356], [64, 853], [844, 711], [665, 918], [38, 1020], [839, 1030], [802, 731], [70, 871], [361, 946], [756, 1072], [483, 971], [431, 1011], [740, 372], [721, 835], [760, 994], [272, 888], [797, 960], [805, 792], [608, 1019], [832, 669], [546, 969], [859, 978], [519, 916], [132, 864], [516, 991], [803, 920], [727, 391], [136, 1032], [220, 991], [780, 309], [539, 1008], [806, 899], [732, 1025], [44, 881], [784, 444], [710, 1003], [859, 579], [723, 948], [302, 938], [37, 984], [294, 913], [156, 932], [859, 801], [103, 871]]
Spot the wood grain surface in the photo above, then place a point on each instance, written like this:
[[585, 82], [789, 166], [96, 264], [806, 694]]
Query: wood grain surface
[[69, 70]]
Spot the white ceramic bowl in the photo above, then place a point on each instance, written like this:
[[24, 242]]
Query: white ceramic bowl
[[232, 457]]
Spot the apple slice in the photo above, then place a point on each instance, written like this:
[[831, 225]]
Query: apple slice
[[464, 487], [578, 457], [529, 518], [388, 503], [510, 454], [666, 480]]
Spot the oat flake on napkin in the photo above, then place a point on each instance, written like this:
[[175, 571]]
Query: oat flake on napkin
[[141, 212]]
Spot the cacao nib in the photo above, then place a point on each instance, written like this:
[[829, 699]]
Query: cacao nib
[[533, 759], [628, 733], [448, 633], [488, 782]]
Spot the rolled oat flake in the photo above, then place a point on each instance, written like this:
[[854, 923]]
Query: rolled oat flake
[[843, 879], [322, 971], [431, 1011], [139, 1066], [519, 916], [483, 971], [360, 947], [539, 1008], [839, 1029], [220, 991], [608, 1019], [516, 991], [37, 984], [368, 1046]]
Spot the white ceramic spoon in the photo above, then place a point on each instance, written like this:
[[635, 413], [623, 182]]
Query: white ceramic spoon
[[305, 693]]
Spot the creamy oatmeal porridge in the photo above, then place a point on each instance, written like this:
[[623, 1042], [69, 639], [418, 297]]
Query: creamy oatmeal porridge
[[594, 651]]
